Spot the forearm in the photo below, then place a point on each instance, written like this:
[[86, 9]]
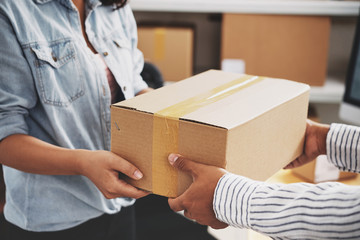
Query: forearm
[[323, 211], [343, 147], [32, 155]]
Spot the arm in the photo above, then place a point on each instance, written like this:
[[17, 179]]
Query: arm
[[32, 155], [323, 211], [343, 147]]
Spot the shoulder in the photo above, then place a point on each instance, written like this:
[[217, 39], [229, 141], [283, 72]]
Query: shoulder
[[125, 12], [17, 4], [122, 17], [127, 15], [15, 9]]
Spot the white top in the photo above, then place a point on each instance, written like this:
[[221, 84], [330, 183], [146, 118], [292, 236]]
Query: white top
[[300, 210]]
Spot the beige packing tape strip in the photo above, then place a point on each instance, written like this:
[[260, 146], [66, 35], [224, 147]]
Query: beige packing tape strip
[[159, 43], [166, 128]]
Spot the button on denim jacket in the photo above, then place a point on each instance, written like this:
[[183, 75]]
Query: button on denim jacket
[[52, 88]]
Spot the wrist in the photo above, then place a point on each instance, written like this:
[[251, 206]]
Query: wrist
[[321, 136], [80, 165]]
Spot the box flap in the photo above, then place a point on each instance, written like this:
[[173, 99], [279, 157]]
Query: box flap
[[239, 107]]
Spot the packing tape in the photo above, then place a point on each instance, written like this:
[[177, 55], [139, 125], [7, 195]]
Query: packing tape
[[159, 42], [166, 130]]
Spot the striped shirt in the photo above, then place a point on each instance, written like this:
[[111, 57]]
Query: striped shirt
[[300, 210]]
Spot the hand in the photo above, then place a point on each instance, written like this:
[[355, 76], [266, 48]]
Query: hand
[[314, 145], [103, 167], [197, 200]]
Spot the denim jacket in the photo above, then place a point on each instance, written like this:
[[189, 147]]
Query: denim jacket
[[51, 88]]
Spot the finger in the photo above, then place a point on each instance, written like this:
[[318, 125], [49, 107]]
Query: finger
[[309, 122], [128, 194], [176, 204], [291, 165], [296, 163], [188, 214], [303, 159], [200, 222], [182, 164], [123, 189], [127, 168], [219, 225]]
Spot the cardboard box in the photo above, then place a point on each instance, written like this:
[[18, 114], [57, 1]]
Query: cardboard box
[[321, 170], [249, 125], [171, 49], [282, 46]]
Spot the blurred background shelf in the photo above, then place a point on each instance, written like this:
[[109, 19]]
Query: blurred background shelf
[[207, 17], [302, 7], [332, 91]]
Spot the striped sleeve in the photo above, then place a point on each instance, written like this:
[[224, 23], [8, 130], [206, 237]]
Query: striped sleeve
[[289, 211], [231, 199], [343, 147]]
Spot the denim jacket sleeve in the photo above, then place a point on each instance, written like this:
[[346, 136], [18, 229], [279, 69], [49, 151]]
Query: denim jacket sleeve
[[17, 91]]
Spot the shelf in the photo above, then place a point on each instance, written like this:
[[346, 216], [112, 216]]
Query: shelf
[[331, 92], [293, 7]]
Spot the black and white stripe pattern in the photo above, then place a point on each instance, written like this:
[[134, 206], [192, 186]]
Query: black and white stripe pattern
[[343, 147], [300, 210], [231, 199]]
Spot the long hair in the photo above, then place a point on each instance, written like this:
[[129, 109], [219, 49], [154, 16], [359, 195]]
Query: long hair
[[117, 3]]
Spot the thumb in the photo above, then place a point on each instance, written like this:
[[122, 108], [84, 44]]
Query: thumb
[[301, 160], [181, 163]]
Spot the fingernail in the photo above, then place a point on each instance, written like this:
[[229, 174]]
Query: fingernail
[[138, 174], [172, 158]]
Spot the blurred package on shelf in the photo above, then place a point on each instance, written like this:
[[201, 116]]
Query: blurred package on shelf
[[321, 170], [170, 48], [281, 46]]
